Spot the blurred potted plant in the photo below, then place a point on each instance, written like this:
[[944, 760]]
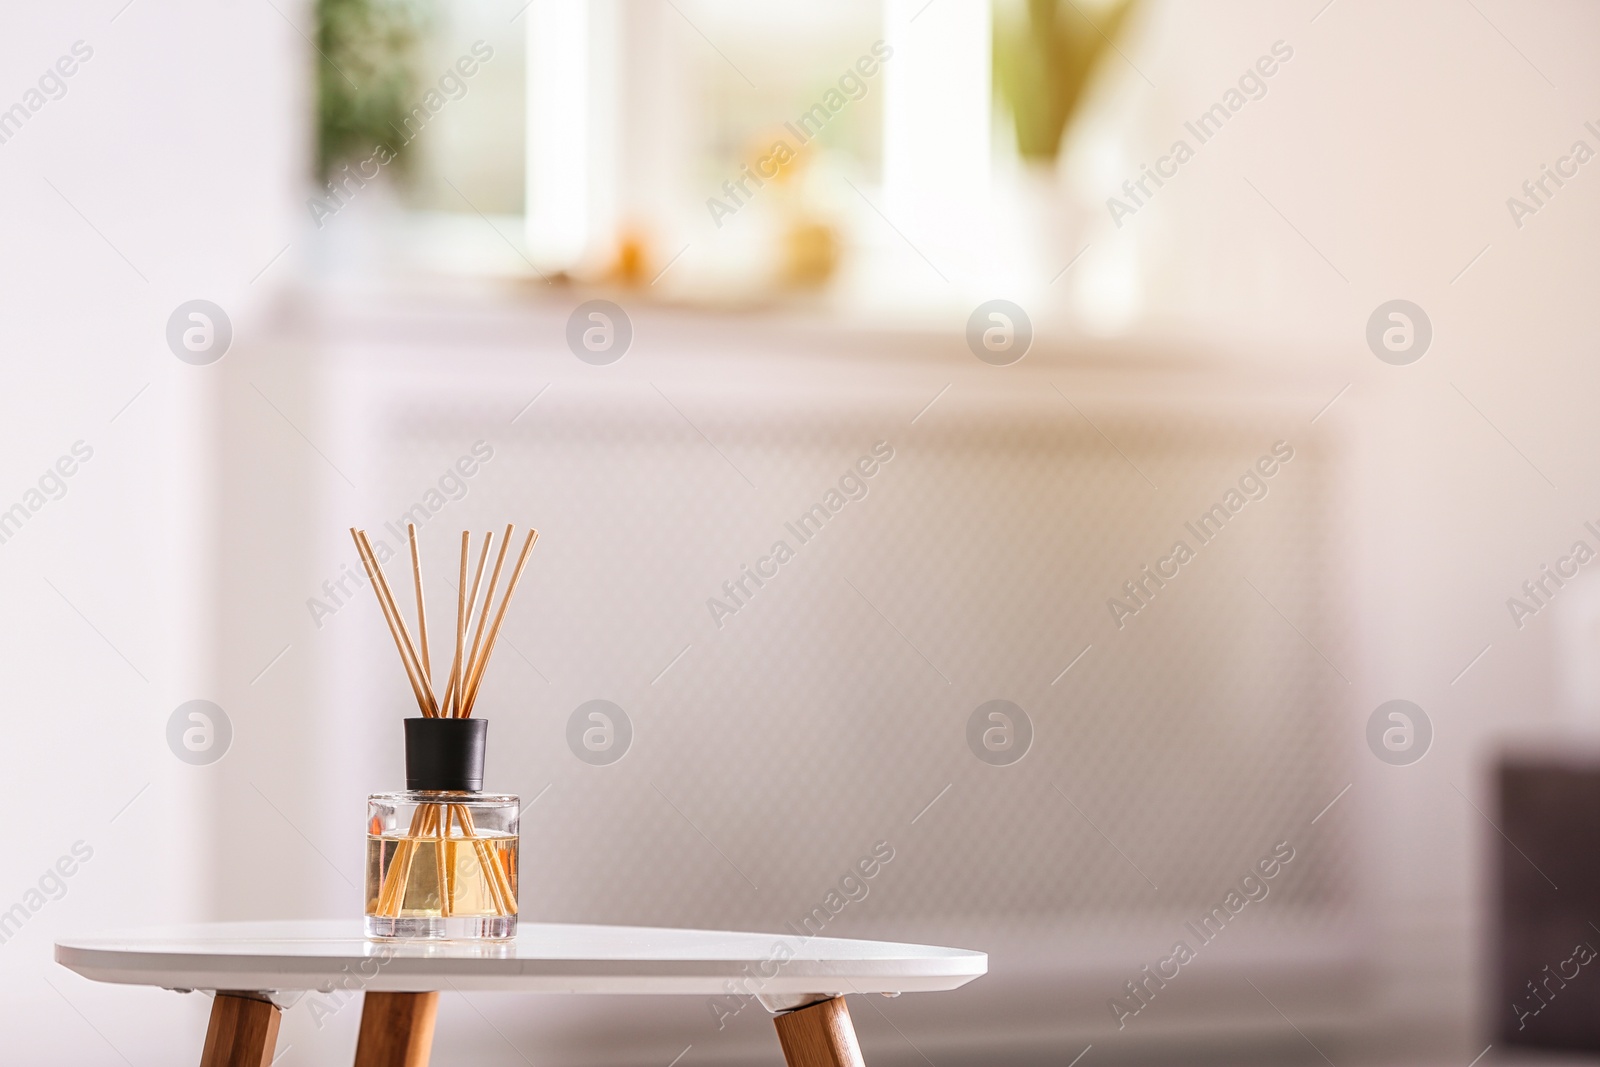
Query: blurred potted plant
[[1043, 56], [1045, 52], [366, 78]]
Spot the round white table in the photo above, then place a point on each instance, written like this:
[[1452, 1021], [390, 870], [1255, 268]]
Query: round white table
[[258, 968]]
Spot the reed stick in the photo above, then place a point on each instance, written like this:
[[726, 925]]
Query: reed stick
[[398, 875], [466, 622], [449, 692], [387, 607], [422, 609], [391, 614], [504, 875], [431, 707], [441, 872], [453, 687], [499, 892], [494, 875], [450, 868], [390, 877]]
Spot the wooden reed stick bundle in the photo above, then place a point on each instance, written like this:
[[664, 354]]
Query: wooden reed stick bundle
[[483, 613], [391, 616], [432, 823], [481, 660]]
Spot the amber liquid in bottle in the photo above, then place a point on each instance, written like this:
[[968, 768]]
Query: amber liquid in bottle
[[442, 867]]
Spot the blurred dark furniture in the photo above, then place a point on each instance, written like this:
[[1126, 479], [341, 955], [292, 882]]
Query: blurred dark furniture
[[1548, 974]]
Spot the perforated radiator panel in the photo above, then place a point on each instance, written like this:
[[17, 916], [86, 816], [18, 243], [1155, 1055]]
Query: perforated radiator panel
[[830, 712]]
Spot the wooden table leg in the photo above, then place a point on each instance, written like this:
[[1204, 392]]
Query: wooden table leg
[[819, 1036], [396, 1029], [243, 1031]]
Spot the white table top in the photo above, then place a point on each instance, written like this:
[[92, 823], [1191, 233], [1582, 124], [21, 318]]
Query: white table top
[[544, 958]]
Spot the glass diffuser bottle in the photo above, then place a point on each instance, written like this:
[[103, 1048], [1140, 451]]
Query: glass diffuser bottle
[[442, 856]]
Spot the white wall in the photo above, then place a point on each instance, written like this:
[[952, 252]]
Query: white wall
[[1390, 143], [173, 156]]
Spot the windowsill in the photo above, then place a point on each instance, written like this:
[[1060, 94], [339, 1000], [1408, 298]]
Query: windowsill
[[882, 271], [468, 278]]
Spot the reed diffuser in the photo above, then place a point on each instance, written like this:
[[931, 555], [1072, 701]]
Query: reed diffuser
[[442, 855]]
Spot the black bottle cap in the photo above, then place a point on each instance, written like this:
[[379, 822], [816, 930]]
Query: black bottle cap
[[445, 754]]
